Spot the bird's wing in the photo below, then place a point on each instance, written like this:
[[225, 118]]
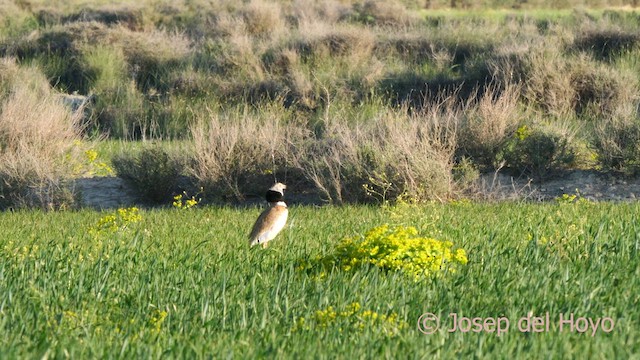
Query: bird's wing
[[257, 227], [270, 222]]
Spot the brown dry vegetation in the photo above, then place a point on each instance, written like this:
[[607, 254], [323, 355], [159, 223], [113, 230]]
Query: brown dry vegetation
[[359, 100], [38, 136]]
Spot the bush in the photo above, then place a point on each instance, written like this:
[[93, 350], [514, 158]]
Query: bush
[[537, 152], [617, 144], [241, 153], [58, 52], [601, 90], [263, 19], [378, 160], [465, 174], [487, 125], [606, 43], [120, 107], [39, 142], [548, 84], [562, 87], [132, 18], [152, 172], [393, 155], [394, 248], [382, 13], [152, 56]]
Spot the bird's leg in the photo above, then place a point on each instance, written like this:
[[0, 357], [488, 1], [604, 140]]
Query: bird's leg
[[265, 244]]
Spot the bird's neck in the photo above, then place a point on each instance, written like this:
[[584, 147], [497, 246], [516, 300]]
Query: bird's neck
[[278, 203]]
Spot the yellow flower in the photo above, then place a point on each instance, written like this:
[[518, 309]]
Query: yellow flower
[[116, 222], [523, 132], [180, 203], [156, 319], [396, 249], [353, 318], [91, 155]]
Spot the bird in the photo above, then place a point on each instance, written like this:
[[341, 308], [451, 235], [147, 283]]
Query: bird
[[272, 220]]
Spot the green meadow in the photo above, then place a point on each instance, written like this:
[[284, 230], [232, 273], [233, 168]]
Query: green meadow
[[184, 283]]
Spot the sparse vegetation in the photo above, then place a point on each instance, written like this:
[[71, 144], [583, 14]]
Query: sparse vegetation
[[242, 152], [153, 172], [389, 156], [340, 95], [538, 152]]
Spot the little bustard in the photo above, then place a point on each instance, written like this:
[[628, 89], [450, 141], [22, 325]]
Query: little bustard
[[272, 219]]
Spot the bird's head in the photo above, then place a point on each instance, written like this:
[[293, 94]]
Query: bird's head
[[279, 187], [276, 192]]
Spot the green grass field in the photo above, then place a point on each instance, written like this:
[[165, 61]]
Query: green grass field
[[184, 283]]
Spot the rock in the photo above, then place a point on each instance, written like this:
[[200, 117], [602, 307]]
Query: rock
[[81, 105], [105, 192]]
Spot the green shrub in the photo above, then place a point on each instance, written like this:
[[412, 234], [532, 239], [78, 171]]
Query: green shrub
[[123, 112], [393, 248], [57, 50], [17, 21], [152, 172], [119, 104], [537, 152], [465, 173], [152, 56]]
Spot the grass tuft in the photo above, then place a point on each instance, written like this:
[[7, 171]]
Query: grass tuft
[[39, 142]]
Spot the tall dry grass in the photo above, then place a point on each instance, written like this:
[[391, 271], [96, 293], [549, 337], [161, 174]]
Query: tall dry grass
[[616, 141], [487, 125], [242, 152], [38, 142], [392, 155], [362, 78], [263, 19], [567, 85], [395, 154]]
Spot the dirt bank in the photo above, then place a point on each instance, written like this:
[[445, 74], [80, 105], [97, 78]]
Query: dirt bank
[[113, 192]]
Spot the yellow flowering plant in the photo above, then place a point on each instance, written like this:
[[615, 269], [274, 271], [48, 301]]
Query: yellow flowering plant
[[118, 221], [156, 318], [91, 165], [96, 166], [184, 202], [353, 318], [571, 199], [523, 132], [395, 248]]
